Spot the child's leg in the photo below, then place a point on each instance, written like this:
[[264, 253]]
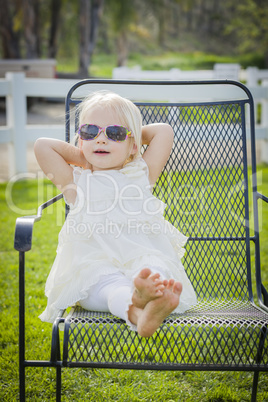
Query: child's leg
[[98, 294], [114, 293], [102, 295], [156, 310], [119, 300], [147, 286]]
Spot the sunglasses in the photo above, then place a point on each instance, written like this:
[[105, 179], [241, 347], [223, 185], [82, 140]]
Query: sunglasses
[[113, 132]]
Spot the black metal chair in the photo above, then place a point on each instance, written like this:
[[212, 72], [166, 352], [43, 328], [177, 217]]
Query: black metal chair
[[206, 187]]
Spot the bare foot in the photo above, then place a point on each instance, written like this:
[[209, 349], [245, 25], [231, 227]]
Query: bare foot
[[155, 311], [148, 287]]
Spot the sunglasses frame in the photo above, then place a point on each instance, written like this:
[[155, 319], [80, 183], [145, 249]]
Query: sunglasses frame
[[103, 130]]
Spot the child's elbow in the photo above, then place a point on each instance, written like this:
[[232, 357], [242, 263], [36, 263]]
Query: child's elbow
[[169, 133], [39, 146]]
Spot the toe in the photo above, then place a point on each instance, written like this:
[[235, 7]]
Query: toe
[[144, 273], [155, 276], [170, 283], [177, 288], [159, 292]]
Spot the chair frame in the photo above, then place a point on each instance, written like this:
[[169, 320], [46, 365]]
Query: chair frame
[[23, 243]]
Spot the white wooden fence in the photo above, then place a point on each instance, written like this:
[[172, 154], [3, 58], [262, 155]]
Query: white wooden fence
[[251, 76], [17, 133]]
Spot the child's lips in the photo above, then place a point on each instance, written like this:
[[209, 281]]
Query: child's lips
[[101, 152]]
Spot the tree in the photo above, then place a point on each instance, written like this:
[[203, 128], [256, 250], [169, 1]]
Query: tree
[[31, 28], [89, 16], [55, 8], [159, 8], [95, 16], [250, 26], [123, 14], [10, 34], [84, 14]]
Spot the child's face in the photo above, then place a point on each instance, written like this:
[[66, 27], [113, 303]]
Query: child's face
[[114, 154]]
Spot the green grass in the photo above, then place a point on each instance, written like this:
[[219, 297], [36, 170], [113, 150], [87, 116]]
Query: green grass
[[103, 64], [81, 384]]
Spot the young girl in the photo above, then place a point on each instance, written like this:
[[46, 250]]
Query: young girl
[[116, 251]]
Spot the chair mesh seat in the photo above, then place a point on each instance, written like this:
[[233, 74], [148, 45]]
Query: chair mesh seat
[[212, 333]]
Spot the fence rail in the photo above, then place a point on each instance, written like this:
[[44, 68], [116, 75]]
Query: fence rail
[[17, 134], [251, 76]]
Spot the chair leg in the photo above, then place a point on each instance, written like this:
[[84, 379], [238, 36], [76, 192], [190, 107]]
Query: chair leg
[[22, 383], [58, 384], [255, 386], [22, 325], [56, 356], [258, 360]]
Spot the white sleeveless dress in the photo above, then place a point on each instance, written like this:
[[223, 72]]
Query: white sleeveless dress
[[115, 225]]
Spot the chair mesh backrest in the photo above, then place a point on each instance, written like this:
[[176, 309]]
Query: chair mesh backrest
[[204, 187]]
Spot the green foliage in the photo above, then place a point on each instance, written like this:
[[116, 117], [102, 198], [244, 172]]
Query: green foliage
[[179, 26], [250, 25], [80, 384], [122, 13]]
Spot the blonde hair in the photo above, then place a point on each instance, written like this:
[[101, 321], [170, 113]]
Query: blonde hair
[[127, 112]]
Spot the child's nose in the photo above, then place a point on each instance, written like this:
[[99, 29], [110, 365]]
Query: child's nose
[[101, 137]]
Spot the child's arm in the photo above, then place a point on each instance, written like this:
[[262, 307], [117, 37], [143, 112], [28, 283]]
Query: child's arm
[[54, 157], [159, 137]]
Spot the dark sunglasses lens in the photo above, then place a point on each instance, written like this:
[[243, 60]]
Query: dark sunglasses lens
[[88, 132], [116, 133]]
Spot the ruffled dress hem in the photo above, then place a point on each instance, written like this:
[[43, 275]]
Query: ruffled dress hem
[[115, 225]]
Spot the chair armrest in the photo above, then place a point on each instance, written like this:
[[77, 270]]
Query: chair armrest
[[25, 224], [265, 295], [262, 197]]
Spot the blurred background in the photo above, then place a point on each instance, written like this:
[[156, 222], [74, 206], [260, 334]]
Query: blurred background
[[91, 37], [122, 39]]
